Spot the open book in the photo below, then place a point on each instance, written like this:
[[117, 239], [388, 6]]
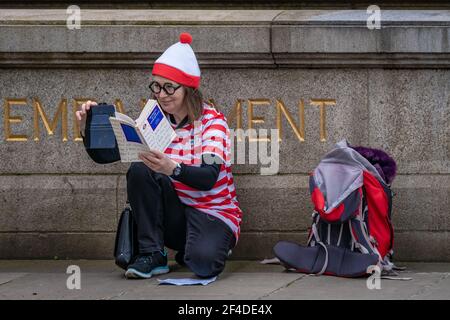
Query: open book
[[151, 130]]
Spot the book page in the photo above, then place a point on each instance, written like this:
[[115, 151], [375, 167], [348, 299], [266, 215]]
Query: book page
[[154, 126], [125, 119], [129, 140]]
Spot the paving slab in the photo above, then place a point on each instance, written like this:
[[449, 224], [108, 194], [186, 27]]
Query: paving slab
[[241, 280]]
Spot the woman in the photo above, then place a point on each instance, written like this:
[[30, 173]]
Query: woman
[[184, 198]]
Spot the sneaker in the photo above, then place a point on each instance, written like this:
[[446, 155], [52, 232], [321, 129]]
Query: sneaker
[[147, 265]]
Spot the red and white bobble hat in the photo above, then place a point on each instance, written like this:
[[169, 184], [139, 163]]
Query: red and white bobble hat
[[178, 63]]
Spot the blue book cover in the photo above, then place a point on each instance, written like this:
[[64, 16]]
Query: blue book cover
[[130, 133]]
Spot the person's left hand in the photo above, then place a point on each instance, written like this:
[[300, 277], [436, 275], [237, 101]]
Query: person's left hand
[[158, 162]]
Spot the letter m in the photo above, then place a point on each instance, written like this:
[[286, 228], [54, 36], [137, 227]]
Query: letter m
[[60, 113]]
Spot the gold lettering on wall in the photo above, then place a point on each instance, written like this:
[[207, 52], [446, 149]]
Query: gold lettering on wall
[[299, 132], [142, 103], [119, 106], [321, 103], [255, 120], [8, 119], [61, 112], [235, 114]]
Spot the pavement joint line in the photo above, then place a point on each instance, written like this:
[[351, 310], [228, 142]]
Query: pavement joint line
[[125, 292], [282, 287], [9, 281], [120, 294], [428, 288], [15, 278]]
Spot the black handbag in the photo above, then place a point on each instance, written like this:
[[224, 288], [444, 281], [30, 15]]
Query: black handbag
[[100, 140], [126, 245], [99, 132]]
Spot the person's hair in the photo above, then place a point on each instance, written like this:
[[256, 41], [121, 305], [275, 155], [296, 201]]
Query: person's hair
[[193, 100]]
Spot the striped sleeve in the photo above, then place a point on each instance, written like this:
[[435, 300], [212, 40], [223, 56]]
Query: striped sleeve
[[216, 139]]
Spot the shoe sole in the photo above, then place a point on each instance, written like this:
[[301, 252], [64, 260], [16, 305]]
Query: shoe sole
[[134, 274]]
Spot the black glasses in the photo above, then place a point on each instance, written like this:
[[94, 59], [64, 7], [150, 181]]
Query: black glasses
[[168, 88]]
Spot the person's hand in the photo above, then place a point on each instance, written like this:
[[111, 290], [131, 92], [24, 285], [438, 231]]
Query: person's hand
[[81, 114], [158, 162]]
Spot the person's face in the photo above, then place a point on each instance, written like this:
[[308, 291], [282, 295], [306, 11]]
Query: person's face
[[170, 103]]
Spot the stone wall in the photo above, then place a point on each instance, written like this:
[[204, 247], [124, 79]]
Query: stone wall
[[390, 89]]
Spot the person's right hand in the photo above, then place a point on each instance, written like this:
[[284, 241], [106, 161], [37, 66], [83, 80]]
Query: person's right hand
[[81, 114]]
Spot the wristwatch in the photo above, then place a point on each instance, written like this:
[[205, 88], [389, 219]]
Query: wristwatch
[[176, 171]]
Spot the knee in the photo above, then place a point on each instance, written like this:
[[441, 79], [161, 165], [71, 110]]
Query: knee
[[138, 171], [204, 263]]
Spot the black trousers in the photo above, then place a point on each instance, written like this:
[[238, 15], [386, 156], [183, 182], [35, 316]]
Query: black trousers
[[163, 220]]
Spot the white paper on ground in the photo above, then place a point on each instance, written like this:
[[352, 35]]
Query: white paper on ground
[[271, 261], [396, 278], [187, 281]]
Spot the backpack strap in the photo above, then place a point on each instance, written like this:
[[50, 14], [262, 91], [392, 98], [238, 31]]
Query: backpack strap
[[316, 235], [340, 235], [315, 217]]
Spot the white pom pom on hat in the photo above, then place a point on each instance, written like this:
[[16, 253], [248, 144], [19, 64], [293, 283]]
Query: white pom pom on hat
[[178, 63]]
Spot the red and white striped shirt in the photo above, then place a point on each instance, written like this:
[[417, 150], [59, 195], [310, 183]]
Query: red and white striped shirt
[[209, 134]]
